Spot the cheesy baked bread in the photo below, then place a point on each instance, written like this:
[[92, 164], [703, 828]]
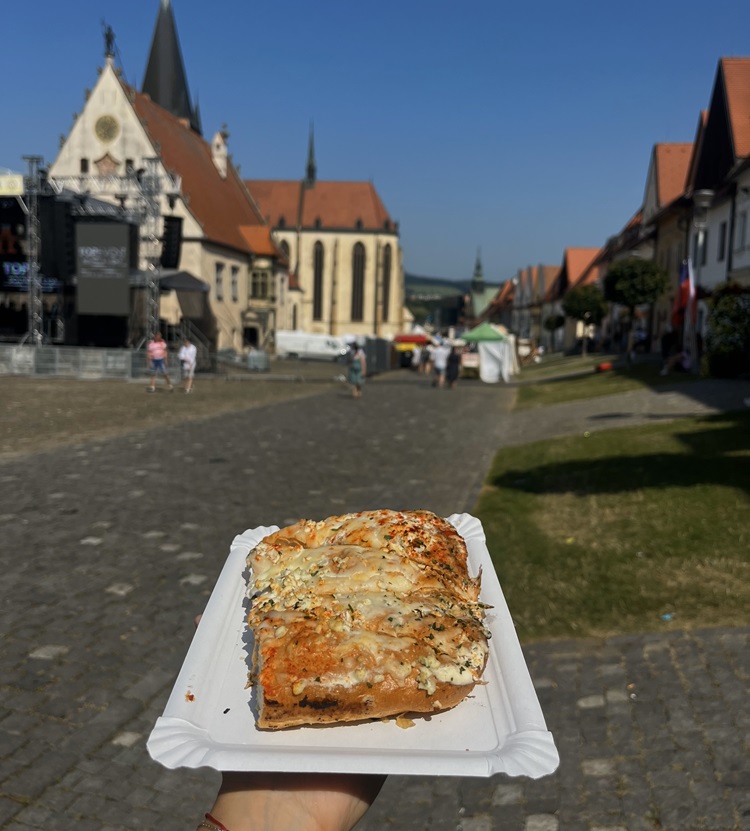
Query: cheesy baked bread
[[363, 616]]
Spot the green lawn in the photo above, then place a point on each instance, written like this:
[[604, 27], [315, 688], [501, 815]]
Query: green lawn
[[638, 529], [574, 378]]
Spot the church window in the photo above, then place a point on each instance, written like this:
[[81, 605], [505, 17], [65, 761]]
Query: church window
[[358, 282], [235, 279], [318, 281], [84, 165], [284, 245], [386, 281]]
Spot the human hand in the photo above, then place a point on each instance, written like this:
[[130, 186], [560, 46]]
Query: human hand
[[294, 801], [262, 801]]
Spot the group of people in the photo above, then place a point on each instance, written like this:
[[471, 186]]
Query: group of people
[[441, 360], [158, 362]]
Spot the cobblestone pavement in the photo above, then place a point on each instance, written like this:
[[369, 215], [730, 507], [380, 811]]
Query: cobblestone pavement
[[109, 548]]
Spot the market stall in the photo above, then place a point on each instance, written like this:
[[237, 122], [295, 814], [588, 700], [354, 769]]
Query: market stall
[[497, 354]]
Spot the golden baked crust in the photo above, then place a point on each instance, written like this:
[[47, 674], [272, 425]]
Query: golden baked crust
[[363, 616]]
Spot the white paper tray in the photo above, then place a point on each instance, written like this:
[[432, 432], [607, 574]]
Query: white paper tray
[[209, 721]]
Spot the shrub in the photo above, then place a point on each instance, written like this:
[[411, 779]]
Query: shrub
[[728, 338]]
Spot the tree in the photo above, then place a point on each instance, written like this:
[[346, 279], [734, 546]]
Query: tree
[[634, 282], [585, 303], [553, 322]]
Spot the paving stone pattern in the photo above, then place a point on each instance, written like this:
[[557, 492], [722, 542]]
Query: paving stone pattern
[[110, 548]]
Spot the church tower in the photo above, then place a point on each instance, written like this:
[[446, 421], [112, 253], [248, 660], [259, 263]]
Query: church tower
[[165, 80], [477, 281]]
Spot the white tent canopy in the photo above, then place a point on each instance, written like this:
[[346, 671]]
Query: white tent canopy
[[497, 360]]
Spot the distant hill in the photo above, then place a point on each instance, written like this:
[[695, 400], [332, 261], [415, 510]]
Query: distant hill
[[433, 288], [435, 301]]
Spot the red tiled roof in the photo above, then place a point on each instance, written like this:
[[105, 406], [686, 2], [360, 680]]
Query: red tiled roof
[[534, 276], [737, 84], [221, 205], [575, 262], [549, 273], [259, 240], [672, 163], [334, 205]]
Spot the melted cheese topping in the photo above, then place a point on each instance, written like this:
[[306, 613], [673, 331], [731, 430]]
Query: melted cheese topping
[[339, 614]]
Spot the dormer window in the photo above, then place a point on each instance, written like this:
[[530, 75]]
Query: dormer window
[[359, 224], [318, 222], [282, 221]]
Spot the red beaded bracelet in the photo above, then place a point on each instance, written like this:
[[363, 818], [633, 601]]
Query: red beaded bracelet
[[212, 824]]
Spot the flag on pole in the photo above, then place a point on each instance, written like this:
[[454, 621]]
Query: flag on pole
[[685, 293]]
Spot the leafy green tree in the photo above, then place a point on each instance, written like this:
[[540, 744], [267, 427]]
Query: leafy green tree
[[587, 304], [634, 282]]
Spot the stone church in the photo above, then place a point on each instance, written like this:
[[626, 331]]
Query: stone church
[[343, 250]]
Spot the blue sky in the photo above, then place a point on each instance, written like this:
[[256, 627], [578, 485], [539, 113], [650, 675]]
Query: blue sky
[[519, 128]]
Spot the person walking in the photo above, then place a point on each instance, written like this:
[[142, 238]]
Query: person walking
[[188, 355], [439, 363], [156, 352], [453, 369], [357, 370]]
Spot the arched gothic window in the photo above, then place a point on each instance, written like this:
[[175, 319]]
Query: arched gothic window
[[318, 281], [358, 282], [386, 281]]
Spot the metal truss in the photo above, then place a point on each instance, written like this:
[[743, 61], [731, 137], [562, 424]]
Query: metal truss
[[139, 194]]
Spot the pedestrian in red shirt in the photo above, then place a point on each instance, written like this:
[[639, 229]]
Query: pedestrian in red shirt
[[157, 361]]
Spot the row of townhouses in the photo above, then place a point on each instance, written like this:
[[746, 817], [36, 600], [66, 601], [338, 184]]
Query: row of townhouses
[[696, 206]]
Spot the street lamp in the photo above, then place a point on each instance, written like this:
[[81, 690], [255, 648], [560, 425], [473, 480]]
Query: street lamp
[[702, 200]]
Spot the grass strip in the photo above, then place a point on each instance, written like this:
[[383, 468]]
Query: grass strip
[[636, 529], [573, 379]]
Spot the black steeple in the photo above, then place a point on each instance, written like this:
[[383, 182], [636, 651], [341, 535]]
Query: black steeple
[[477, 281], [311, 167], [165, 79]]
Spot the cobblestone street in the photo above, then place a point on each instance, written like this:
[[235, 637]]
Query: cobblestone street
[[111, 547]]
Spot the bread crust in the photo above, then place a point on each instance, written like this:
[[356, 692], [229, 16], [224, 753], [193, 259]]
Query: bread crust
[[316, 706]]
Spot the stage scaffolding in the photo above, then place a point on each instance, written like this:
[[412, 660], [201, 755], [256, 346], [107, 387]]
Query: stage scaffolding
[[138, 194]]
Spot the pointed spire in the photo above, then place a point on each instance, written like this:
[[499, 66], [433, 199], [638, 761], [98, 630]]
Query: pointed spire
[[165, 79], [477, 281], [311, 166]]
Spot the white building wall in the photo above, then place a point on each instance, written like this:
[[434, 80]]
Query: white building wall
[[741, 240]]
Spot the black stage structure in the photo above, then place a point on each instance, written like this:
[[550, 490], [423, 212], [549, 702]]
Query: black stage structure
[[93, 293]]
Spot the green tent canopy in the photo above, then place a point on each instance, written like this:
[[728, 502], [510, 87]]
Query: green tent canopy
[[483, 332]]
